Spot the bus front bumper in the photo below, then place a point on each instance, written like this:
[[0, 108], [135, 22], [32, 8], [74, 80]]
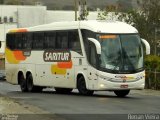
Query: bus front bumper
[[108, 85]]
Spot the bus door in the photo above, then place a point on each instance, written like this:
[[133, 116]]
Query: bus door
[[92, 71]]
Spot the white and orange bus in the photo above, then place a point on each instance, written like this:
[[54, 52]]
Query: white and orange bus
[[87, 55]]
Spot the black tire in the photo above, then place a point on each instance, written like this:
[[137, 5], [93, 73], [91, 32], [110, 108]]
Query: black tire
[[81, 85], [30, 85], [121, 93], [23, 83], [63, 90], [38, 89]]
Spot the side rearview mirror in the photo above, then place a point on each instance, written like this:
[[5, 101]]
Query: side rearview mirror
[[147, 46], [97, 44]]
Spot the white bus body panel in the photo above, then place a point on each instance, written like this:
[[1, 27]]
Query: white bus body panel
[[95, 80]]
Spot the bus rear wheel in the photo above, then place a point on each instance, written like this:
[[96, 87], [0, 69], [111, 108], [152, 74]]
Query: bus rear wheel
[[63, 90], [121, 93], [23, 84], [30, 85], [38, 88], [81, 85]]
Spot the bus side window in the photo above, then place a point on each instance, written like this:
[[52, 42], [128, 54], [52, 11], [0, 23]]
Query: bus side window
[[29, 39], [49, 40], [10, 41], [61, 40], [37, 41], [85, 35], [24, 40], [19, 41], [74, 41]]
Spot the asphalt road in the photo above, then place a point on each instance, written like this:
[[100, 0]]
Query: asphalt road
[[95, 107]]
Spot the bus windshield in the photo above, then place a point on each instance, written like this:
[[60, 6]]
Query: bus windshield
[[121, 53]]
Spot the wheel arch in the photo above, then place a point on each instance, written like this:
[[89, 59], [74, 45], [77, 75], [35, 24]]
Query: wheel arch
[[81, 74]]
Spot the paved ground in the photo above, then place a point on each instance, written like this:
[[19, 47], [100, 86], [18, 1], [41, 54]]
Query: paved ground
[[75, 106]]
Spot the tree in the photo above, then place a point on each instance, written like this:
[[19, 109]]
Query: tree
[[1, 1], [146, 20], [124, 5], [13, 2], [83, 12], [20, 2], [103, 14]]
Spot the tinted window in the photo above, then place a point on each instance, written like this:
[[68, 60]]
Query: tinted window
[[5, 19], [61, 40], [74, 41], [10, 41], [37, 41], [50, 40], [87, 34], [45, 40], [11, 19], [92, 55], [19, 42], [28, 40]]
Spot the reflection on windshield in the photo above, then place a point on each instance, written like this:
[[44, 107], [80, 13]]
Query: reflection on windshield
[[132, 52], [121, 52], [110, 54]]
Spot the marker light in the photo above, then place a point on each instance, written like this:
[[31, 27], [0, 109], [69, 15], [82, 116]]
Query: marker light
[[107, 36]]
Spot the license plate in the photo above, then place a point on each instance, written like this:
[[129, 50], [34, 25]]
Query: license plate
[[124, 86]]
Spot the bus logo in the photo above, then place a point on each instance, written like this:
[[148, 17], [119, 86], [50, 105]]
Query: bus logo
[[56, 56]]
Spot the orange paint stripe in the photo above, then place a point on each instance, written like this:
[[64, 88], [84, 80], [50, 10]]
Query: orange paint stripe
[[22, 30], [19, 55], [108, 36], [18, 30], [67, 65]]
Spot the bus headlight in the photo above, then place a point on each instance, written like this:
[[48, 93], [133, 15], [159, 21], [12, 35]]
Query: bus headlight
[[101, 85]]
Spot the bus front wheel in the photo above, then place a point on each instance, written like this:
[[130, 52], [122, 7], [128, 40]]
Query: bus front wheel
[[81, 85], [121, 93]]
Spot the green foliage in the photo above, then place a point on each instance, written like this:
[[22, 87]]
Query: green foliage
[[13, 2], [146, 20], [124, 5], [20, 2], [1, 1], [152, 62], [152, 66], [102, 15], [84, 15]]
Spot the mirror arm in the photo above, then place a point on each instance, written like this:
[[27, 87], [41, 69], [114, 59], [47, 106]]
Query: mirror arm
[[97, 44], [147, 46]]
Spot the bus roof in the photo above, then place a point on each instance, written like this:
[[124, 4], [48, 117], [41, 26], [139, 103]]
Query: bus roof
[[108, 27], [93, 25]]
